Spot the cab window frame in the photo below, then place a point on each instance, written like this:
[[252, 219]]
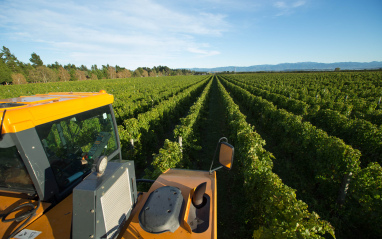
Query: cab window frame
[[40, 172]]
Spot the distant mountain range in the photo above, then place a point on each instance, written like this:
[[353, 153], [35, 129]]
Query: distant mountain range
[[300, 66]]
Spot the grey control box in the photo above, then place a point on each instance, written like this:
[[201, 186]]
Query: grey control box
[[102, 204]]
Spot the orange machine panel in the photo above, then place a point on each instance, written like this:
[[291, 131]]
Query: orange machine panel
[[186, 181], [56, 223], [9, 202]]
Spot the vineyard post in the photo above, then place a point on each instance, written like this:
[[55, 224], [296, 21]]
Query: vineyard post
[[344, 188], [180, 140]]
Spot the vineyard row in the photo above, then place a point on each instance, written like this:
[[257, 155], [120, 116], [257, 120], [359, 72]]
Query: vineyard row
[[358, 133], [323, 165]]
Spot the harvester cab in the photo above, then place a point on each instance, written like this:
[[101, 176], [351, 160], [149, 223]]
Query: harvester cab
[[62, 176]]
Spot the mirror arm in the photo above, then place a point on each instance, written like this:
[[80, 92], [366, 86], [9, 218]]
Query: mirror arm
[[215, 169], [217, 146]]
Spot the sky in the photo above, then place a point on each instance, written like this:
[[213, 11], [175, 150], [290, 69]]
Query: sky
[[192, 33]]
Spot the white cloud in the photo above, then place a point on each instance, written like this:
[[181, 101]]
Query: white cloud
[[288, 7], [298, 4], [203, 52], [280, 4], [96, 31]]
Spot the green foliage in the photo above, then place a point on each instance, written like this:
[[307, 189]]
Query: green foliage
[[353, 94], [10, 60], [172, 155], [72, 73], [190, 126], [273, 206], [5, 73], [168, 157], [295, 106], [36, 60], [367, 188], [330, 157], [320, 160], [148, 127], [358, 133], [363, 209]]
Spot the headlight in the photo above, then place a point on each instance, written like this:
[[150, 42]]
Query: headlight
[[101, 165]]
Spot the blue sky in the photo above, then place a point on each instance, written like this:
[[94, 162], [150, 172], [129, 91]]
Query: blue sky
[[192, 33]]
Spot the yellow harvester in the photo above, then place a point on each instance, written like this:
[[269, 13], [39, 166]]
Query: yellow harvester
[[62, 176]]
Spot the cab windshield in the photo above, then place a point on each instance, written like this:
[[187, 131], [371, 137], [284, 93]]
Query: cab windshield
[[72, 144]]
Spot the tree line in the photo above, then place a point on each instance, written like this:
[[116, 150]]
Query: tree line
[[13, 71]]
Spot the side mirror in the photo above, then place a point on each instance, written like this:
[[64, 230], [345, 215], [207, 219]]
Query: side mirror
[[225, 155]]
